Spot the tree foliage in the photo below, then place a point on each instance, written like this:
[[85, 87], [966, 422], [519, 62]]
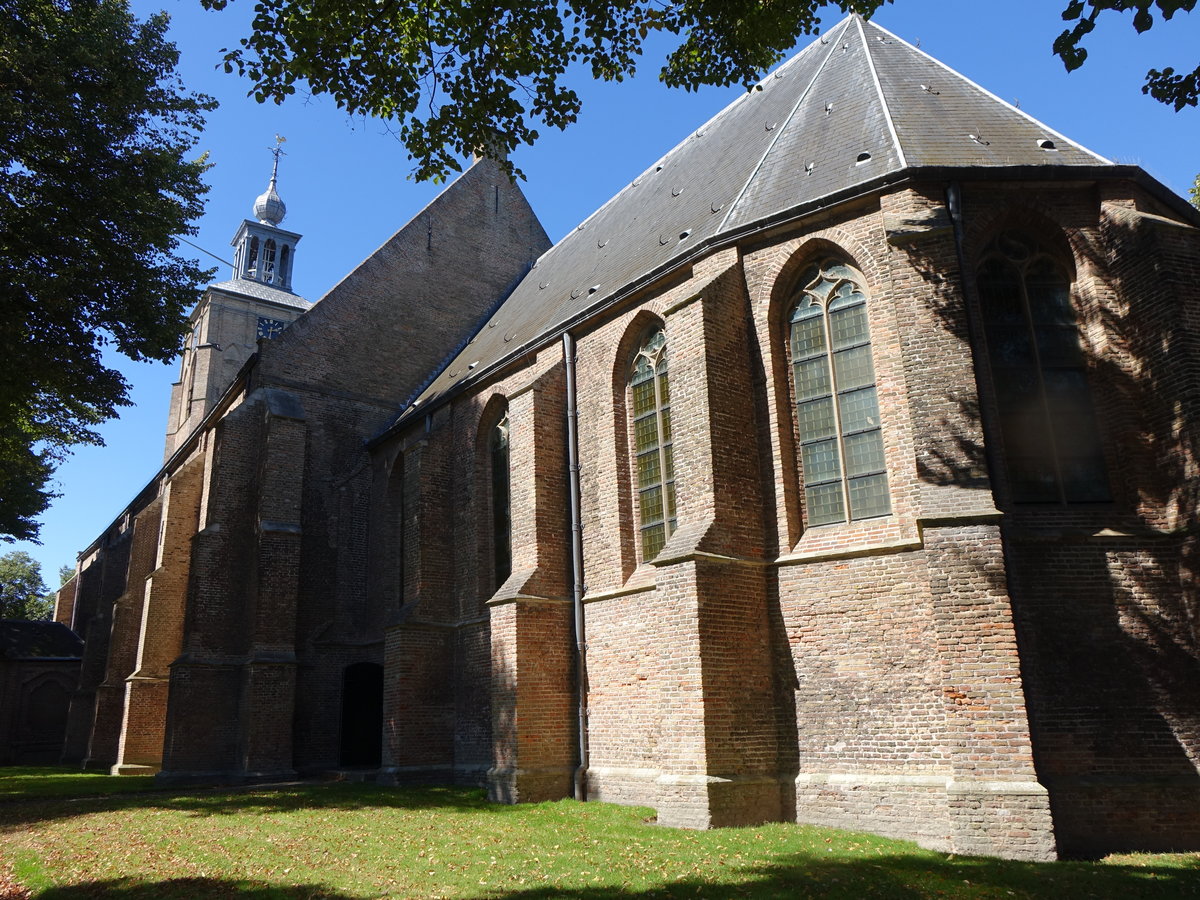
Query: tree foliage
[[460, 76], [465, 76], [23, 594], [95, 182], [1166, 85]]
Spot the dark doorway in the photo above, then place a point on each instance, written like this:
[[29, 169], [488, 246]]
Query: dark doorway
[[362, 714]]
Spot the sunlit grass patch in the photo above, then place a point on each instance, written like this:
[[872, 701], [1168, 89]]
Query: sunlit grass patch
[[336, 840], [31, 782]]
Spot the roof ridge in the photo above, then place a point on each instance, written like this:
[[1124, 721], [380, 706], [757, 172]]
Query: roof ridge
[[742, 178], [977, 86], [791, 115], [883, 104], [724, 112]]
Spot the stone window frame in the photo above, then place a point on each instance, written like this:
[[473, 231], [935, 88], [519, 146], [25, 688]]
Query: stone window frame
[[1048, 363], [500, 506], [836, 272], [646, 456], [495, 413]]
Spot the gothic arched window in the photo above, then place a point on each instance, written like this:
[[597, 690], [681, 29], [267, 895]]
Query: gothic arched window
[[1052, 447], [837, 408], [652, 443], [501, 502]]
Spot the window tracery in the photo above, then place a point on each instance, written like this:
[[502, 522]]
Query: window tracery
[[837, 404], [653, 444], [501, 502], [1047, 421]]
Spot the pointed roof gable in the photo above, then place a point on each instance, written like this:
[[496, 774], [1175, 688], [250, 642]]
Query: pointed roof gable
[[853, 109]]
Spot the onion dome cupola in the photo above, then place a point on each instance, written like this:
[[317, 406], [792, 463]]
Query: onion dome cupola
[[264, 251], [269, 208]]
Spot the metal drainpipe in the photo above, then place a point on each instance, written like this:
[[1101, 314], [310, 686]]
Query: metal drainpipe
[[576, 564]]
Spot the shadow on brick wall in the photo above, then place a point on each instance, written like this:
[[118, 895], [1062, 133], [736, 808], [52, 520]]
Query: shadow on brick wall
[[1104, 596]]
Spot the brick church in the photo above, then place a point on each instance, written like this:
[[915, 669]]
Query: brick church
[[840, 469]]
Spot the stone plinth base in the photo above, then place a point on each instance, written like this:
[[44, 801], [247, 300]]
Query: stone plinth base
[[987, 818], [1097, 815], [713, 801], [400, 775], [514, 785], [133, 770], [1007, 819], [626, 785]]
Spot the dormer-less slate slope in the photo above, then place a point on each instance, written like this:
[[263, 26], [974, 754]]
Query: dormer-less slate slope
[[854, 106], [259, 291]]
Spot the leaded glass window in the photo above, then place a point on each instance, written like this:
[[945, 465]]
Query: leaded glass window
[[837, 406], [652, 444], [1052, 447], [501, 503]]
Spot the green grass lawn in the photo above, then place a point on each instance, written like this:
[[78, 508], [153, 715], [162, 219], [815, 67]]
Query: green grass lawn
[[334, 840], [28, 782]]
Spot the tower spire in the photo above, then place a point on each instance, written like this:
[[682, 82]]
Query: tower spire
[[264, 250], [268, 207]]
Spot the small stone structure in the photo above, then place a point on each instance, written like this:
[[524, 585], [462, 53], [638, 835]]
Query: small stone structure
[[39, 668]]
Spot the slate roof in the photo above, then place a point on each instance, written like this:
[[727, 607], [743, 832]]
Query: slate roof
[[258, 291], [854, 107], [20, 639]]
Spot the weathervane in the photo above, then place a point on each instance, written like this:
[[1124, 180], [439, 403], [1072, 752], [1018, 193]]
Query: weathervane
[[277, 151]]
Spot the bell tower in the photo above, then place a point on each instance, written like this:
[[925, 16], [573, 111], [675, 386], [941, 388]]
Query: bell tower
[[263, 252], [258, 303]]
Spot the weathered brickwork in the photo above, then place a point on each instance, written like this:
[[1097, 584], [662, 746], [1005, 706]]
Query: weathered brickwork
[[163, 596], [979, 674], [39, 668], [101, 584]]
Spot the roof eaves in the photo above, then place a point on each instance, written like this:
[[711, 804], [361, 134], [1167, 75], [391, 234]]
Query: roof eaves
[[784, 218]]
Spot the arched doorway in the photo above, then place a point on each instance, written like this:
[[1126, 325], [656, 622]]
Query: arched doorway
[[362, 714]]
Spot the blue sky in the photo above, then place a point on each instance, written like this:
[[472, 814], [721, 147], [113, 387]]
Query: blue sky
[[345, 179]]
